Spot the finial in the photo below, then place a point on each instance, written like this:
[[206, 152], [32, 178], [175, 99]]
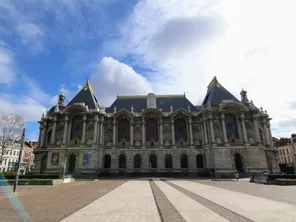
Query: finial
[[132, 109], [189, 108], [261, 109], [265, 112], [42, 115], [171, 109], [244, 97], [61, 99], [115, 109]]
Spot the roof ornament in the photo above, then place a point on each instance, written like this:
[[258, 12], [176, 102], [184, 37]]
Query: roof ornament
[[189, 109], [86, 107], [261, 109], [252, 106], [42, 115], [61, 99], [244, 97], [115, 109], [102, 110], [265, 112], [171, 109], [132, 109], [56, 109]]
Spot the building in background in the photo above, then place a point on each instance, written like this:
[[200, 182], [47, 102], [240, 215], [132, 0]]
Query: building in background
[[10, 158], [287, 154], [156, 134]]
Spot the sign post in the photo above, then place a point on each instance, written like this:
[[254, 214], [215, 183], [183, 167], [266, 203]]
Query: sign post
[[19, 161]]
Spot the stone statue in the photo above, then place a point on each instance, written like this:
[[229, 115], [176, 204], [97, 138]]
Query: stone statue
[[115, 109], [171, 109], [189, 108], [132, 109], [57, 108]]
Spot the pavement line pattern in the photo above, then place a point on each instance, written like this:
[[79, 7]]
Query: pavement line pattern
[[187, 207], [224, 212], [167, 210], [132, 201], [254, 208]]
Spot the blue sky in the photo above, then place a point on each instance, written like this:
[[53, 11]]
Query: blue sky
[[161, 46]]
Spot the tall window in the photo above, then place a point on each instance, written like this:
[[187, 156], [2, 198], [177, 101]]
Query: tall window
[[151, 130], [123, 130], [180, 129], [231, 126], [76, 130]]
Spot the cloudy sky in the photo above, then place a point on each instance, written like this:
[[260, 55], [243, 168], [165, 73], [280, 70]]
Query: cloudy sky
[[142, 46]]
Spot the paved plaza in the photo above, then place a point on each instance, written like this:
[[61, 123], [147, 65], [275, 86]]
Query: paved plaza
[[154, 200]]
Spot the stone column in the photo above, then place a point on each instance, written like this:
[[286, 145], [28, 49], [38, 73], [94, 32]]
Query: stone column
[[131, 132], [173, 131], [213, 140], [202, 134], [270, 136], [69, 131], [266, 133], [114, 131], [83, 129], [205, 131], [102, 130], [224, 130], [43, 131], [65, 130], [143, 132], [245, 136], [257, 134], [190, 131], [160, 132], [95, 129], [54, 128]]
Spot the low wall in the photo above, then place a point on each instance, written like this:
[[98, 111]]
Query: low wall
[[275, 179], [31, 182]]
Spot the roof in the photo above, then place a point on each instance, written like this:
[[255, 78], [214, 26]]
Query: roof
[[87, 96], [216, 94], [163, 102]]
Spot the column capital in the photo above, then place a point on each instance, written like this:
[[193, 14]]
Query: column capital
[[84, 116], [222, 115], [172, 120]]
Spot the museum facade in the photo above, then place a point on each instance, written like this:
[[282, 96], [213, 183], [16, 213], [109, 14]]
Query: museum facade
[[156, 134]]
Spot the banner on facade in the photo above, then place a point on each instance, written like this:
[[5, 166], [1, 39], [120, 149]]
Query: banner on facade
[[86, 158]]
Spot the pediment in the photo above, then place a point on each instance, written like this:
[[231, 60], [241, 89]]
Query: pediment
[[152, 111], [236, 105], [123, 113], [181, 111]]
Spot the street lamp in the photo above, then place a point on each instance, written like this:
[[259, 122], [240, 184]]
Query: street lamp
[[64, 171], [19, 160]]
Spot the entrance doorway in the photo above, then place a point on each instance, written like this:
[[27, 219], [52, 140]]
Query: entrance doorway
[[72, 163], [238, 162], [153, 161], [43, 164], [168, 161], [184, 161]]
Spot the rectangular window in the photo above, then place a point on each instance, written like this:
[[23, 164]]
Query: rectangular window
[[283, 152], [287, 151], [285, 160]]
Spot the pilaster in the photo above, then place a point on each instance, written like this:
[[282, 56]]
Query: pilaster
[[83, 129], [160, 132], [143, 132], [52, 139], [224, 131], [173, 132], [131, 132], [65, 130]]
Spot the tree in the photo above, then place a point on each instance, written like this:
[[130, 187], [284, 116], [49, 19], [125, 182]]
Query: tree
[[11, 126]]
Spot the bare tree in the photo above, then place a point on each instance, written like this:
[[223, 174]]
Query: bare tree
[[11, 126]]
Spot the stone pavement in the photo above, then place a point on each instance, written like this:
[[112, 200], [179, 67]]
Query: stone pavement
[[154, 200]]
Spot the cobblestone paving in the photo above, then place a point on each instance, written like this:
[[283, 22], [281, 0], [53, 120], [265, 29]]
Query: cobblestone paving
[[144, 200], [53, 203], [254, 208], [284, 194], [132, 201], [167, 210]]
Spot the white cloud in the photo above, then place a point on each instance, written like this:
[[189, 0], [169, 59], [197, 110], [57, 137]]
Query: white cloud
[[7, 73], [246, 44], [27, 107], [114, 78], [31, 35]]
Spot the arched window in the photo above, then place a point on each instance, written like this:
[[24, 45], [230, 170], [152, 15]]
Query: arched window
[[168, 161], [107, 161], [199, 161], [231, 126], [137, 161], [184, 161], [151, 130], [76, 129], [153, 161], [48, 137], [180, 129], [123, 130], [122, 161]]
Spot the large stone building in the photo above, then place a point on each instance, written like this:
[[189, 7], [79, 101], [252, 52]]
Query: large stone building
[[156, 133]]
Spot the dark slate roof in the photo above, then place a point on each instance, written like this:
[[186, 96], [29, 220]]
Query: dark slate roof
[[216, 93], [163, 102], [61, 108], [87, 96]]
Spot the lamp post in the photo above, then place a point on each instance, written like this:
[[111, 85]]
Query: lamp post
[[19, 161], [64, 171]]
